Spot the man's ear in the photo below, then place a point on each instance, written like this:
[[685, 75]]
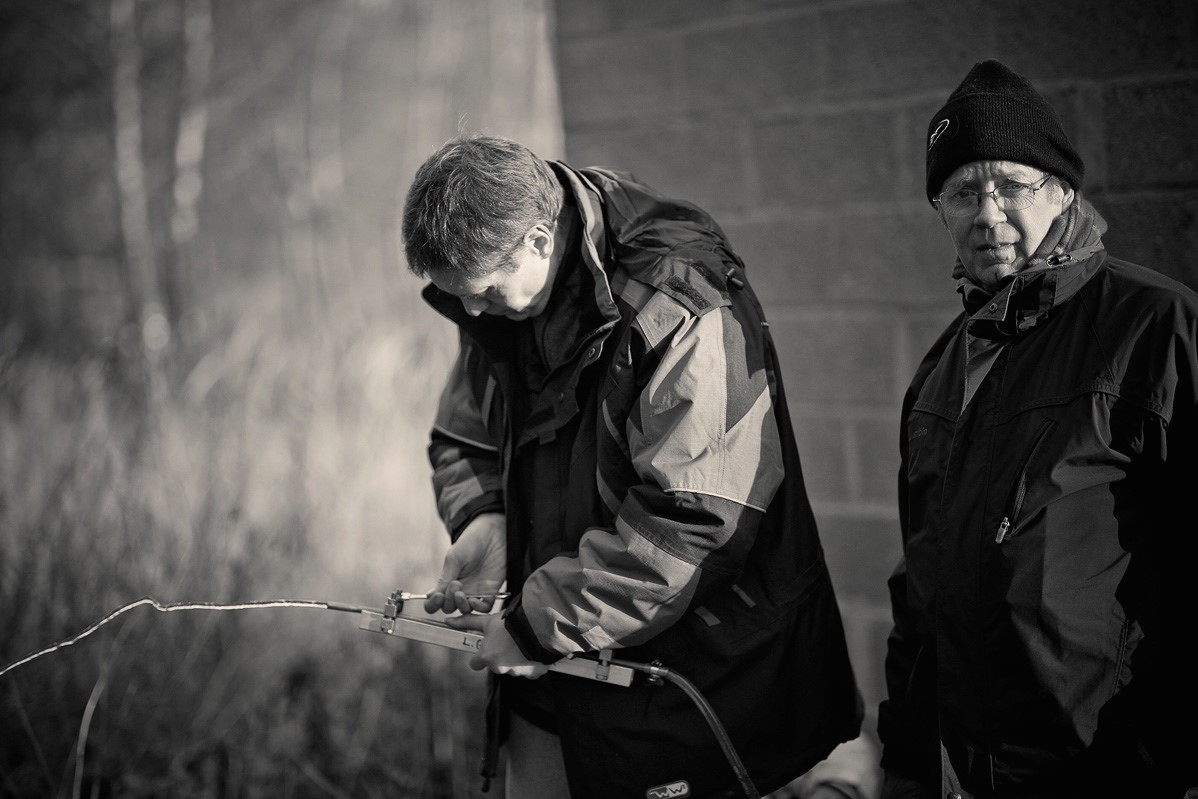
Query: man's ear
[[540, 238], [1068, 197]]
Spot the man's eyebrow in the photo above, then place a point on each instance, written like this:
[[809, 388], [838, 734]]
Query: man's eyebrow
[[999, 180]]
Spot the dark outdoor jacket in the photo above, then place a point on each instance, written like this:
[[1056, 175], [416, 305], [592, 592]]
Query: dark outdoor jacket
[[655, 503], [1045, 611]]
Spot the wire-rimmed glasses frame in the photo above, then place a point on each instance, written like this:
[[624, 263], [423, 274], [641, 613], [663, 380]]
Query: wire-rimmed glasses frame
[[1010, 196]]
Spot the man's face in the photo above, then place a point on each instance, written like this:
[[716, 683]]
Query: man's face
[[993, 243], [517, 290]]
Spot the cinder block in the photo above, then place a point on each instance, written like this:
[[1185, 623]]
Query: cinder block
[[763, 65], [877, 457], [1124, 39], [696, 161], [850, 253], [573, 18], [829, 158], [822, 452], [638, 13], [626, 77], [1158, 232], [1150, 134], [866, 630], [835, 358], [903, 256], [788, 261], [861, 553], [891, 48]]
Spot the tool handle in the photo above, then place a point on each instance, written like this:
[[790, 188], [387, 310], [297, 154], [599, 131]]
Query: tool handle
[[434, 632]]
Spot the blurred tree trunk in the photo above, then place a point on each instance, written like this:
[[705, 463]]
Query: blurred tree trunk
[[147, 308], [170, 159], [188, 178]]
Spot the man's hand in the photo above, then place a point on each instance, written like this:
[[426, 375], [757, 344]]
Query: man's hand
[[475, 564], [499, 652]]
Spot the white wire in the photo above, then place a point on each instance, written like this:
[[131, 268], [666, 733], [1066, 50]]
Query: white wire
[[167, 608]]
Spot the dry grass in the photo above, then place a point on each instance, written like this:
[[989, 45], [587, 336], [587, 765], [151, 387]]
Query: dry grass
[[285, 463]]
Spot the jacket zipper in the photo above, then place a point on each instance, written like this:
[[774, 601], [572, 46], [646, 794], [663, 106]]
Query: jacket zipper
[[1005, 532], [1004, 527]]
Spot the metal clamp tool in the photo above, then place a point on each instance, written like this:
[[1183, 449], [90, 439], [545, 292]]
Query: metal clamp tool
[[390, 621]]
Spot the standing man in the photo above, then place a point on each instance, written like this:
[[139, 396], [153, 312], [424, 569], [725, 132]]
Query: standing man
[[1044, 612], [614, 445]]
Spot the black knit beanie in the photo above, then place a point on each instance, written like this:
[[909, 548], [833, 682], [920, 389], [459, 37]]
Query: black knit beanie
[[996, 115]]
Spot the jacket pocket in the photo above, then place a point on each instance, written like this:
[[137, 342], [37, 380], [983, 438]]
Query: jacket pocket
[[1008, 528]]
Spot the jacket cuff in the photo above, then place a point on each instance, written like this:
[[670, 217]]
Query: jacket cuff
[[516, 622], [487, 503]]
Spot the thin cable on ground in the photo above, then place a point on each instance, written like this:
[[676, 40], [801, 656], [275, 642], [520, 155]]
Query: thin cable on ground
[[167, 608], [654, 670]]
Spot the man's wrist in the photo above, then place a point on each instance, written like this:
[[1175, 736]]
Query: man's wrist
[[516, 623]]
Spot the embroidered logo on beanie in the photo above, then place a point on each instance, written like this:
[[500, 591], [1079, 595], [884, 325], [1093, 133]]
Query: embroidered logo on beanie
[[941, 127]]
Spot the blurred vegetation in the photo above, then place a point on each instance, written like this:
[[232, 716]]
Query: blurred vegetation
[[216, 381], [291, 472]]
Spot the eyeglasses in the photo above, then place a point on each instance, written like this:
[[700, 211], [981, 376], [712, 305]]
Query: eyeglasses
[[1010, 196]]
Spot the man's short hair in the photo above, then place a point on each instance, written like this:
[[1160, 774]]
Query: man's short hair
[[471, 203]]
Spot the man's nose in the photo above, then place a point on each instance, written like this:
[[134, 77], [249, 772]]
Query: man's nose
[[988, 213]]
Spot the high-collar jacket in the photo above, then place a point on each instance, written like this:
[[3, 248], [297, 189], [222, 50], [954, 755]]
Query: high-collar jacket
[[637, 438], [1044, 609]]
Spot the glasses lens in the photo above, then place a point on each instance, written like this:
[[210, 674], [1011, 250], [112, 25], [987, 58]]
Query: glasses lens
[[1014, 196], [1008, 197], [959, 203]]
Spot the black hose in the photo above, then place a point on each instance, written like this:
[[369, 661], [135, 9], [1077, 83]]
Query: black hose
[[713, 721]]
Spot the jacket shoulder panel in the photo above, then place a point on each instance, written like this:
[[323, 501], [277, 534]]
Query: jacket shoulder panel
[[678, 290], [694, 279]]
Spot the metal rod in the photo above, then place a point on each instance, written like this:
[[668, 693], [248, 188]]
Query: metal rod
[[405, 596]]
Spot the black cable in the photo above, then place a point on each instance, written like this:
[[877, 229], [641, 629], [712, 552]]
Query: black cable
[[713, 721]]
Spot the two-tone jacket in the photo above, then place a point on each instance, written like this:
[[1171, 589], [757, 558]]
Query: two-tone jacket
[[655, 503], [1045, 610]]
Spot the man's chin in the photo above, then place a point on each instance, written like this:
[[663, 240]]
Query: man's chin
[[992, 276], [525, 313]]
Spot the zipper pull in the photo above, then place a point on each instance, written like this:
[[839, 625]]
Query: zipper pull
[[1003, 528]]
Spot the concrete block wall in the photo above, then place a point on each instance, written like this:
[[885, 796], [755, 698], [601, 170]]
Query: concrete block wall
[[800, 125]]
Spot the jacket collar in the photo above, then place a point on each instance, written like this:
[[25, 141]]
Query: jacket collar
[[571, 328], [1028, 296]]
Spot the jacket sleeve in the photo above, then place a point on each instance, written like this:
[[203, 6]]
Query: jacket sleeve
[[463, 454], [703, 445], [1163, 685], [910, 748], [906, 749]]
